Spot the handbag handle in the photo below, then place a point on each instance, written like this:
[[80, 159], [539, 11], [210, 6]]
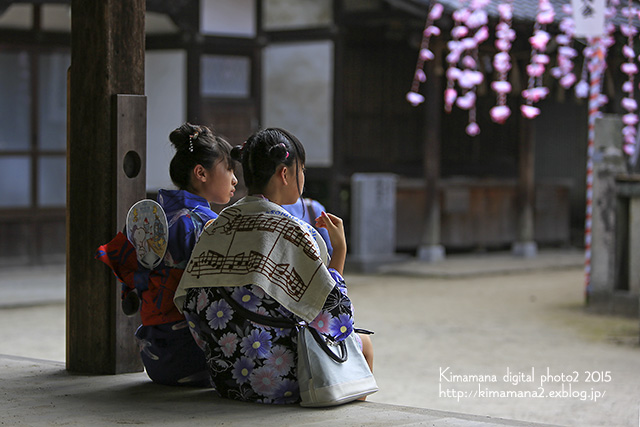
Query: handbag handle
[[285, 324]]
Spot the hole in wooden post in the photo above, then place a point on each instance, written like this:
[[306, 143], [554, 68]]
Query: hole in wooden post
[[132, 164]]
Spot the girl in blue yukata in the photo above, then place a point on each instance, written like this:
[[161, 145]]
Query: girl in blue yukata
[[308, 210], [203, 172], [257, 256]]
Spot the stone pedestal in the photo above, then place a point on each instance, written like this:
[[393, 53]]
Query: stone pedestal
[[525, 249], [431, 253], [373, 217], [608, 162]]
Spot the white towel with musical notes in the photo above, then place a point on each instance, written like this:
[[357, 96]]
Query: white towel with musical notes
[[257, 242]]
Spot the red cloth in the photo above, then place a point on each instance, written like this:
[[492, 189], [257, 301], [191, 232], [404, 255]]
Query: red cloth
[[156, 288]]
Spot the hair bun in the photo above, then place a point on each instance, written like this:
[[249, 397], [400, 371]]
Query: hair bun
[[278, 152], [236, 153], [185, 136]]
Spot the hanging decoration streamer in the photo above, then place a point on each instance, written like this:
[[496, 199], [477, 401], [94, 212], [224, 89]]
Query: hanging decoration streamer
[[425, 55], [539, 59], [505, 36], [563, 71], [630, 119], [458, 32], [596, 54], [470, 30]]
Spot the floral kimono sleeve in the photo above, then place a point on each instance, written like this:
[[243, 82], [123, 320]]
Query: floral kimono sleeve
[[336, 318]]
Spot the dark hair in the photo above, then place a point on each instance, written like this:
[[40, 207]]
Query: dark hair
[[263, 152], [195, 145]]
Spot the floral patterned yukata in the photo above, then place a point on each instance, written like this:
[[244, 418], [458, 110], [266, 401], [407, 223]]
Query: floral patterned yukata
[[252, 362]]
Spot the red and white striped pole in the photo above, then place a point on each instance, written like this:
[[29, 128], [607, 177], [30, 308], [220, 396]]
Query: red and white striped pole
[[597, 65]]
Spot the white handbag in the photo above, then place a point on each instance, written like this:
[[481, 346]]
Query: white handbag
[[331, 374]]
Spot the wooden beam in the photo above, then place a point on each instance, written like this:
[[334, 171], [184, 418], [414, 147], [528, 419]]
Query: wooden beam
[[107, 58]]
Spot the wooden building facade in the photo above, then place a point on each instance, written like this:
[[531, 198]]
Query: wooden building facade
[[333, 72]]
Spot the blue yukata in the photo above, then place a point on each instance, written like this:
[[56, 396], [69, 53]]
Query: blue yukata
[[308, 210], [167, 348]]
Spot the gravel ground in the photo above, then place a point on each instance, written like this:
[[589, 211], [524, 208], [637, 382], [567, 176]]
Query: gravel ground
[[516, 345]]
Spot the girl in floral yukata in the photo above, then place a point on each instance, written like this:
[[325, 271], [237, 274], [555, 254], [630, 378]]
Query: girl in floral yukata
[[271, 263], [203, 172]]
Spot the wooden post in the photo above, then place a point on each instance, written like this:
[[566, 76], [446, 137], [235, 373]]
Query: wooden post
[[430, 248], [525, 245], [105, 175]]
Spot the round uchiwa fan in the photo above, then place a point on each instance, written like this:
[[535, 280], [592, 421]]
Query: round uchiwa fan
[[147, 230]]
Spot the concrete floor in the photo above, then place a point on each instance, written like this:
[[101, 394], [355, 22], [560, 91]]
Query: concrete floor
[[470, 335]]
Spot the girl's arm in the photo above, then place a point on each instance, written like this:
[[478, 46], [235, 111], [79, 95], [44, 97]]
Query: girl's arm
[[335, 228]]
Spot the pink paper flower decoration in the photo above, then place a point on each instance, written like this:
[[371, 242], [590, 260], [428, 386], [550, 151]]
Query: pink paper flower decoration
[[503, 44], [480, 4], [426, 55], [461, 15], [500, 113], [459, 31], [468, 43], [629, 104], [582, 89], [467, 101], [431, 30], [450, 96], [506, 11], [436, 12], [629, 68], [468, 62], [535, 70], [453, 73], [568, 80], [501, 86], [630, 119], [481, 35], [415, 98], [545, 17], [539, 40], [477, 19], [469, 79], [628, 30], [566, 51], [535, 94], [529, 111], [472, 129], [541, 58], [629, 149]]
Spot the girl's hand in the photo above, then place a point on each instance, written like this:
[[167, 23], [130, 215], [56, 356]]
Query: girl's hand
[[335, 228]]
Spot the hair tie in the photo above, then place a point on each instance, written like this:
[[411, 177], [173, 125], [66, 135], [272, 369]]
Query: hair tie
[[287, 151], [192, 138]]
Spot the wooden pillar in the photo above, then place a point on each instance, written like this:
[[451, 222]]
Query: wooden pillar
[[525, 245], [430, 248], [105, 175]]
